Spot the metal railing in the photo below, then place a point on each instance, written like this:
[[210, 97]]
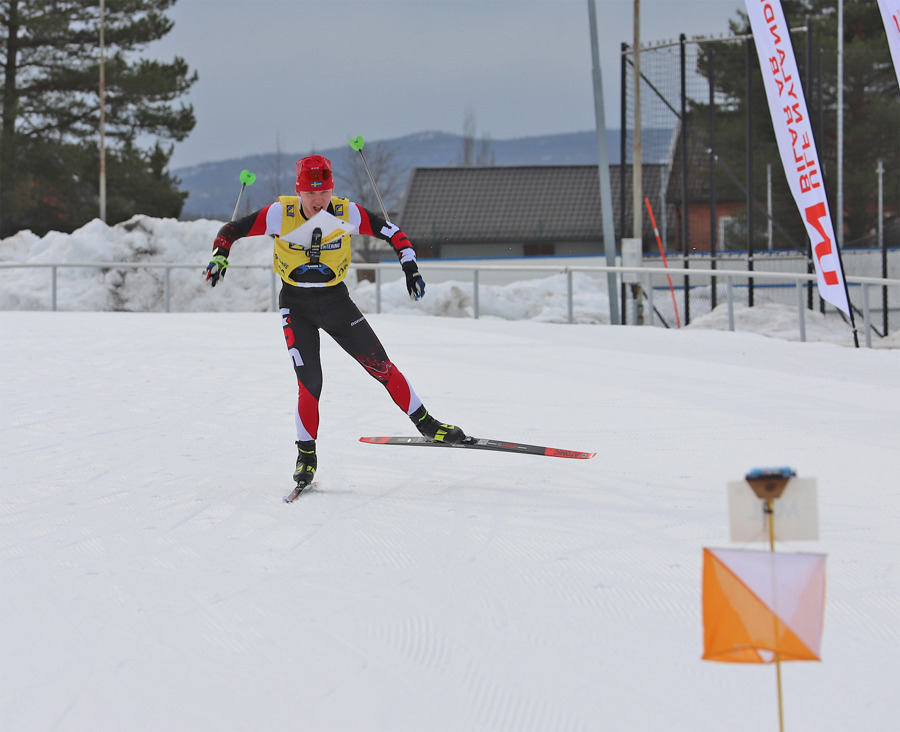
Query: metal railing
[[647, 276]]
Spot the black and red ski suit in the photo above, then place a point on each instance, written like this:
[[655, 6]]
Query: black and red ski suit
[[308, 307]]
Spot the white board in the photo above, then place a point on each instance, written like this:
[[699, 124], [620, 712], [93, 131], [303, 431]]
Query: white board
[[332, 228], [796, 512]]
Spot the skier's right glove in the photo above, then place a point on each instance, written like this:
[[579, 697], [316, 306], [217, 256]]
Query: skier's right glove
[[217, 266]]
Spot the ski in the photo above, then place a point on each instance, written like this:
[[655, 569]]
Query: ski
[[295, 494], [479, 443]]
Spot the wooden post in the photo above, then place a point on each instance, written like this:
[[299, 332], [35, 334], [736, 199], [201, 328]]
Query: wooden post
[[769, 485]]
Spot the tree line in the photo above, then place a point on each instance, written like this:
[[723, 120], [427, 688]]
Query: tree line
[[50, 118]]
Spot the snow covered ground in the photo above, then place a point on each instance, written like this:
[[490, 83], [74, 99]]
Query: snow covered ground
[[152, 579]]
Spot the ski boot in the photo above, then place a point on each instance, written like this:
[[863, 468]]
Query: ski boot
[[306, 463], [429, 427]]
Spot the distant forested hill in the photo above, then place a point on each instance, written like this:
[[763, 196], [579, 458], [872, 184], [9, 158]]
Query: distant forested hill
[[213, 187]]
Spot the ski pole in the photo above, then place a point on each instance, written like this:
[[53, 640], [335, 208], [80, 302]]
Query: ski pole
[[357, 144], [247, 179]]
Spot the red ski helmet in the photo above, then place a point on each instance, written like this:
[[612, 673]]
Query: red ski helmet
[[314, 174]]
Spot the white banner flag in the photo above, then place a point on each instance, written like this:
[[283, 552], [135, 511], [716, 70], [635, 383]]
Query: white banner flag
[[890, 13], [793, 130]]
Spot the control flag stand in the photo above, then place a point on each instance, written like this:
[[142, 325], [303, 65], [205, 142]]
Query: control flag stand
[[766, 607], [769, 485]]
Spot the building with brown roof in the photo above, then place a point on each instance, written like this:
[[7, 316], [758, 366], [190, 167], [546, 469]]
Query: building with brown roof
[[515, 211]]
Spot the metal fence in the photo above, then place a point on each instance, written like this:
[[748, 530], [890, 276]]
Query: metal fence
[[722, 188], [653, 280]]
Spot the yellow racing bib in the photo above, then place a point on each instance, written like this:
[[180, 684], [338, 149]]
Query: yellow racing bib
[[292, 261]]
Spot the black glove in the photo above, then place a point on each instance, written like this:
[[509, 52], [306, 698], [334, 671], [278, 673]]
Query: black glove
[[217, 266], [415, 285]]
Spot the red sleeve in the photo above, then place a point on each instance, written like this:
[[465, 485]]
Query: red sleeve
[[373, 225], [250, 225]]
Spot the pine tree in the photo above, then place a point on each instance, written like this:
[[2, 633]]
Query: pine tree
[[50, 121]]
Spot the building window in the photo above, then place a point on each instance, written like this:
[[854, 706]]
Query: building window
[[428, 251], [539, 250], [728, 232]]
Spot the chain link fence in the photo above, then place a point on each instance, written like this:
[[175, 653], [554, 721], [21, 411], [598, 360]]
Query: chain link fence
[[723, 199]]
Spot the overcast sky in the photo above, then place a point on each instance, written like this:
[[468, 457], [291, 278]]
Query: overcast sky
[[307, 75]]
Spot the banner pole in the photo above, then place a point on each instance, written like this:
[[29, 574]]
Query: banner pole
[[606, 212], [849, 304]]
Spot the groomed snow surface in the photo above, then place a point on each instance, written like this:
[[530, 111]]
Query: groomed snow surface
[[152, 579]]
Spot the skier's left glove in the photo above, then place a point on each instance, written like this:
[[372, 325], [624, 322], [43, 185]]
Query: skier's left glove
[[217, 266], [415, 285]]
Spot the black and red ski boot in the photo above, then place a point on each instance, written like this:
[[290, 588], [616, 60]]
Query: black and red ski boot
[[429, 427], [306, 463]]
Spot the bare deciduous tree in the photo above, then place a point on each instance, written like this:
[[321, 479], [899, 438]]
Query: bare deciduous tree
[[485, 151], [467, 158], [355, 184], [485, 154], [275, 173]]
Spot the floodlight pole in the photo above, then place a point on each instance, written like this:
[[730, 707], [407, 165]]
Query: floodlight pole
[[637, 156], [637, 162], [839, 214], [884, 292], [102, 115], [606, 213]]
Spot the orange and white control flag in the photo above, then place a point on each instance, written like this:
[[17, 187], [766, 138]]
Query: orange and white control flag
[[758, 605]]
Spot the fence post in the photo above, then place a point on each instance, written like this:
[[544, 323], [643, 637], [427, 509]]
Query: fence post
[[729, 296], [53, 288], [685, 217], [378, 290], [569, 295], [884, 273], [475, 273], [801, 310], [167, 289], [748, 47], [866, 315]]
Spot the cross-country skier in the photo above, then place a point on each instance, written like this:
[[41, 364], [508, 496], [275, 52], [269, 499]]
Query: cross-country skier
[[313, 265]]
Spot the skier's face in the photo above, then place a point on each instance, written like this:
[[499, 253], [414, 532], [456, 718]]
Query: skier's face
[[314, 201]]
